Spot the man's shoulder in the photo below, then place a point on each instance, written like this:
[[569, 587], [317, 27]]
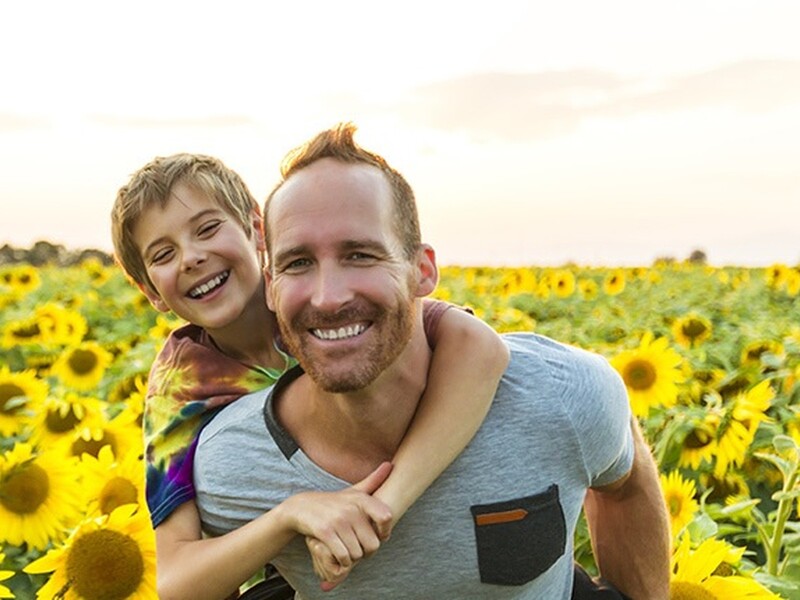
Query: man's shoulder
[[245, 413], [527, 347]]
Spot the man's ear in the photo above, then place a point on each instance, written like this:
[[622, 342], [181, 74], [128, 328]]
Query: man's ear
[[154, 298], [427, 271], [268, 288]]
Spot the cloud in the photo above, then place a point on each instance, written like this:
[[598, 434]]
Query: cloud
[[11, 123], [526, 106], [210, 122]]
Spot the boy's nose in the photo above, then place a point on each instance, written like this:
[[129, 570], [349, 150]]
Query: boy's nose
[[191, 258]]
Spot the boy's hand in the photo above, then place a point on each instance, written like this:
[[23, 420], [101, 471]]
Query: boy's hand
[[350, 525]]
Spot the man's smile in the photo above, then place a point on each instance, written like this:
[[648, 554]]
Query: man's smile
[[340, 333]]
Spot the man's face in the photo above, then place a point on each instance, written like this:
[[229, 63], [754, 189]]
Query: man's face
[[342, 289]]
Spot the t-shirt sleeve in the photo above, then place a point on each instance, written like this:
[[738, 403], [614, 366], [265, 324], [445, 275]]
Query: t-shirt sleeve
[[432, 312], [602, 419]]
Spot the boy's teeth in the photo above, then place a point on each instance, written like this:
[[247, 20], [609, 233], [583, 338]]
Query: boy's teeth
[[203, 289], [339, 334]]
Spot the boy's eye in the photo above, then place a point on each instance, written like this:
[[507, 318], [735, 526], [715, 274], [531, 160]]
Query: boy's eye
[[161, 256], [209, 228]]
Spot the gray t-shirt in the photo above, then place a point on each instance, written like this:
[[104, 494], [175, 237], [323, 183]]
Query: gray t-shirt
[[498, 523]]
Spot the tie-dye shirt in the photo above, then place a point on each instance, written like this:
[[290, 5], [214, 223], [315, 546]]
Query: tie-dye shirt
[[189, 381]]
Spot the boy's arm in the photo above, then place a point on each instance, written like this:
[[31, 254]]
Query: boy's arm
[[629, 528], [469, 358], [190, 566]]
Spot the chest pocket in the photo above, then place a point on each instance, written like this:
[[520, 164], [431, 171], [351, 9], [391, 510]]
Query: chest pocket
[[519, 539]]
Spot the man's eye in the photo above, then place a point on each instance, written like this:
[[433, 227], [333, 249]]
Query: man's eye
[[361, 256], [298, 263]]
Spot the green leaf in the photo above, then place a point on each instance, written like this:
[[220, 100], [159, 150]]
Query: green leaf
[[702, 527], [784, 443], [784, 465]]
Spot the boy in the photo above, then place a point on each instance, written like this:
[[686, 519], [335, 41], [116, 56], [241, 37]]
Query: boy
[[189, 233]]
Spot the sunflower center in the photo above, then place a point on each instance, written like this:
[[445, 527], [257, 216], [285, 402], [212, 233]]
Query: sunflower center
[[697, 438], [116, 492], [640, 374], [693, 328], [7, 392], [105, 565], [24, 489], [675, 505], [82, 362], [58, 423], [685, 590], [27, 331], [92, 446]]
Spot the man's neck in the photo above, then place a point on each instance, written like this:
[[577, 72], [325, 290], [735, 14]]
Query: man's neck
[[350, 434]]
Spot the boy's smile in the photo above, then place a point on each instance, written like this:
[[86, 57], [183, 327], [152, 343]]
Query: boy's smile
[[202, 264]]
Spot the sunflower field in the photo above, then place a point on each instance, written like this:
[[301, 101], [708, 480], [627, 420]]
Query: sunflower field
[[710, 357]]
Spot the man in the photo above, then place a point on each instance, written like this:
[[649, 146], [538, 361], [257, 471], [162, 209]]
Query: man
[[347, 273]]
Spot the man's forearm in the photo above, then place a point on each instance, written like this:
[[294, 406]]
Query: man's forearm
[[629, 528]]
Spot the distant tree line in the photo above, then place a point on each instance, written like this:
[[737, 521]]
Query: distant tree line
[[46, 253]]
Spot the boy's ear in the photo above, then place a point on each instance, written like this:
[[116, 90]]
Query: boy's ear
[[154, 298], [427, 271], [257, 222]]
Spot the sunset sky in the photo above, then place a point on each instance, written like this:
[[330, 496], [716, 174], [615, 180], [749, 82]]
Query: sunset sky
[[533, 132]]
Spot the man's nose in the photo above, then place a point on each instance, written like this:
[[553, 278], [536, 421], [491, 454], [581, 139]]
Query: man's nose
[[331, 289]]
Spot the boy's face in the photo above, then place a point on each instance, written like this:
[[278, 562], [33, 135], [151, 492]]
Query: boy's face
[[203, 266]]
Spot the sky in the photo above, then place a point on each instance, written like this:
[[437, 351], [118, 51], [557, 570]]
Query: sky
[[533, 133]]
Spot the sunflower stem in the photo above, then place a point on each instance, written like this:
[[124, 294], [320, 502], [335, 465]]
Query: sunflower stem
[[784, 508]]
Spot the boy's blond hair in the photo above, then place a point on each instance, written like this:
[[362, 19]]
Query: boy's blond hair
[[337, 143], [152, 186]]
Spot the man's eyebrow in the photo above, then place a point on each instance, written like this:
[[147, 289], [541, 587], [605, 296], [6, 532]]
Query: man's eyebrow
[[194, 218], [368, 244]]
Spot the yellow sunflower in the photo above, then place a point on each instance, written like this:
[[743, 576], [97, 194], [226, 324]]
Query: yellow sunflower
[[752, 352], [700, 444], [83, 366], [107, 558], [22, 278], [563, 283], [18, 390], [703, 381], [23, 332], [63, 326], [122, 434], [651, 373], [679, 496], [588, 288], [691, 330], [4, 591], [775, 276], [614, 283], [727, 489], [109, 483], [163, 327], [694, 573], [738, 428], [38, 496], [57, 417]]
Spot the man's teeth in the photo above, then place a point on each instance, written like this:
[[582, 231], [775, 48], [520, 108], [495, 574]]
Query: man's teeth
[[202, 290], [339, 334]]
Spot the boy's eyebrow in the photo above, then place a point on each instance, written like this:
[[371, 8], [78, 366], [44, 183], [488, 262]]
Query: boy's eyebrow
[[196, 217]]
